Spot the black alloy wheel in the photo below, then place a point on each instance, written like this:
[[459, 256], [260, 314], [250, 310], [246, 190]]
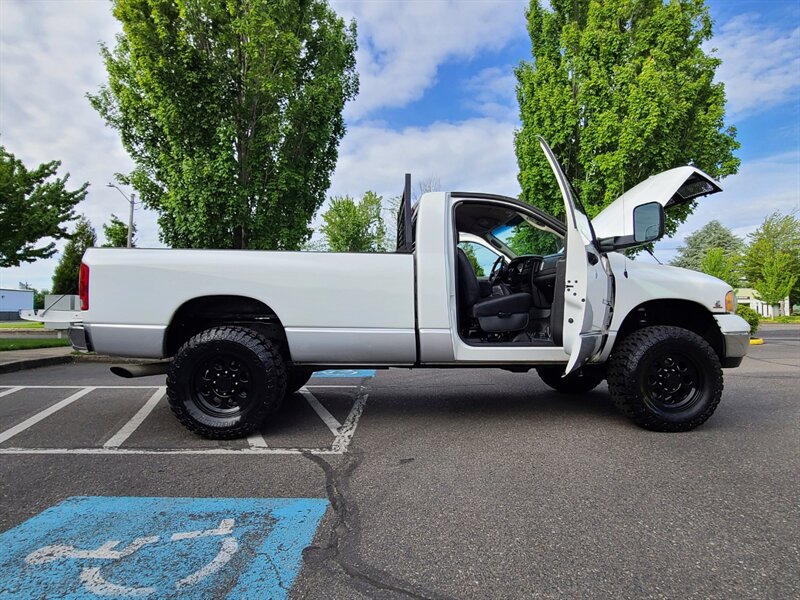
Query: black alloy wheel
[[674, 381], [223, 384]]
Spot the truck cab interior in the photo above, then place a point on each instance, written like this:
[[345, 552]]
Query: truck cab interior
[[508, 264]]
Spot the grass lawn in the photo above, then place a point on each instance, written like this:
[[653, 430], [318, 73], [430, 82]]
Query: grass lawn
[[792, 319], [21, 325], [31, 344]]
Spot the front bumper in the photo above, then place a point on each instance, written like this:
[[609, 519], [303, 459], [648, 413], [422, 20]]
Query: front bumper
[[735, 339], [79, 338]]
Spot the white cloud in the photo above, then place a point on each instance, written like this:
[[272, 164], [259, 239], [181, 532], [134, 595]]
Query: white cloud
[[49, 60], [760, 64], [474, 155], [493, 93], [402, 44]]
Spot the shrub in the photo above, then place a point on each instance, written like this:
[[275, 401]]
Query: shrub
[[749, 315]]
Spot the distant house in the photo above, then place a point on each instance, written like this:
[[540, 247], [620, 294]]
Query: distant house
[[749, 297], [13, 301]]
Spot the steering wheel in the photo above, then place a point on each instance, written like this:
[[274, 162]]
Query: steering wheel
[[498, 270]]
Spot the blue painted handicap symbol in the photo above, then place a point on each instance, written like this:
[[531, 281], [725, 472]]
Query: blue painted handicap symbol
[[87, 547], [345, 373]]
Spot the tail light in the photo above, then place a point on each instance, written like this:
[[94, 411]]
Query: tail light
[[83, 286]]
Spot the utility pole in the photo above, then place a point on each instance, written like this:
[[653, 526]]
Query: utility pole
[[130, 220], [132, 201]]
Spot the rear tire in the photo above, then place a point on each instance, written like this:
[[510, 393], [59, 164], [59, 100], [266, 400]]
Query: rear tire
[[224, 382], [297, 377], [581, 381], [665, 378]]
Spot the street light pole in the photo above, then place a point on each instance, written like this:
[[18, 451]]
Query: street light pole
[[132, 201], [130, 221]]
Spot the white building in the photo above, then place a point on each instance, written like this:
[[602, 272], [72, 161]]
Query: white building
[[13, 301], [749, 297]]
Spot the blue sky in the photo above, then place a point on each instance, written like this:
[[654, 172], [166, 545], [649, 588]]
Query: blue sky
[[437, 99]]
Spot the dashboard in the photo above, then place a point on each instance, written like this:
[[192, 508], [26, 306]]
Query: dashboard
[[532, 273]]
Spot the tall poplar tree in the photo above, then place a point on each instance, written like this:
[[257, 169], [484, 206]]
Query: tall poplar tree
[[232, 113], [622, 89]]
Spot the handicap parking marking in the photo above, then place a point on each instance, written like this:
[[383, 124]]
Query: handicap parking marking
[[146, 547], [340, 373]]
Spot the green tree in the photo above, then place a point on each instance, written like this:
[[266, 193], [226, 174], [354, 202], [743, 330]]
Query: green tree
[[621, 89], [779, 233], [65, 278], [776, 279], [33, 205], [232, 113], [529, 240], [722, 266], [714, 234], [352, 226], [469, 252], [116, 234]]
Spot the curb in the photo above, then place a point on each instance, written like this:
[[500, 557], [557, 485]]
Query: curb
[[756, 341], [75, 357], [33, 363]]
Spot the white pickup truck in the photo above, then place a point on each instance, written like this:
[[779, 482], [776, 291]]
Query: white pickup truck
[[246, 328]]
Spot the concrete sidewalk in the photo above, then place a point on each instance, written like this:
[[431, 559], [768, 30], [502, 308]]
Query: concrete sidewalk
[[17, 360]]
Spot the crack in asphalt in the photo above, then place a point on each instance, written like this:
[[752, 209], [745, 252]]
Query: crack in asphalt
[[345, 534]]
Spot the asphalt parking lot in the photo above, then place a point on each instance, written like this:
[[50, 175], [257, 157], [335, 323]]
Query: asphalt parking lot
[[410, 484]]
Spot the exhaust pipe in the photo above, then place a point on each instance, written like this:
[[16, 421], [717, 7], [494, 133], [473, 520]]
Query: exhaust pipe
[[145, 370]]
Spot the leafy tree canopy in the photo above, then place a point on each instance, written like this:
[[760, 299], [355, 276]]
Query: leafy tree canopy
[[722, 266], [526, 239], [352, 226], [65, 278], [34, 205], [232, 112], [621, 89], [472, 257], [779, 233], [776, 279], [116, 234], [696, 246]]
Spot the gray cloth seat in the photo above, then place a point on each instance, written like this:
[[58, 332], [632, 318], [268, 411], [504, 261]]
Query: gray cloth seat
[[495, 314]]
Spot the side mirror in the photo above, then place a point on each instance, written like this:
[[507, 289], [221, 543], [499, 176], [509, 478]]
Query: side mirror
[[648, 226], [648, 222]]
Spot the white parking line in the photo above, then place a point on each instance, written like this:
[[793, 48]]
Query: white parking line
[[257, 445], [9, 433], [256, 440], [11, 391], [154, 451], [321, 411], [346, 431], [311, 387], [80, 387], [125, 432]]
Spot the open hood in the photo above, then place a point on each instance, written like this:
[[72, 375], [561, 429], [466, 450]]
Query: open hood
[[670, 188]]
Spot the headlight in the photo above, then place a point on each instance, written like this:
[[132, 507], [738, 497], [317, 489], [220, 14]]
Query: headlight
[[730, 302]]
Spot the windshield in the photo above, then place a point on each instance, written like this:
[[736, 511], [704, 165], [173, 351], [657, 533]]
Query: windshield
[[523, 237]]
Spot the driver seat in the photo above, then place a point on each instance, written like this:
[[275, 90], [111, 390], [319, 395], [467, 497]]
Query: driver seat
[[499, 314]]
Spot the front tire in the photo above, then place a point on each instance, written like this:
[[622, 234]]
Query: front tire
[[581, 381], [665, 378], [224, 382]]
